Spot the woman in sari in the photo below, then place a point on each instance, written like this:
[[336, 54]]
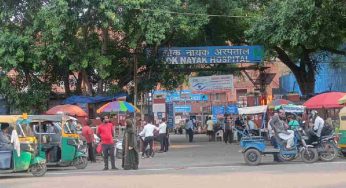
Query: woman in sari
[[130, 149]]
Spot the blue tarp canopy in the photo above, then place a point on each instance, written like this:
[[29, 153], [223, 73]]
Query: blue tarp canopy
[[86, 99]]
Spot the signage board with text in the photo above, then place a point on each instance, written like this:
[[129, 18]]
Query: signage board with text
[[210, 83], [212, 54]]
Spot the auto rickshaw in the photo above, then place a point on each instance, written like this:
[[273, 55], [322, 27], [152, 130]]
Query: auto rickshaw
[[59, 142], [24, 157], [342, 131]]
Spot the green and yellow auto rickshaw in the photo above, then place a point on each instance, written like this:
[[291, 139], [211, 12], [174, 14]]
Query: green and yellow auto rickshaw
[[23, 155], [59, 142], [342, 131]]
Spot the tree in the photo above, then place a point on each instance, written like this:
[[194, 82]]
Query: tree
[[154, 24], [48, 41], [296, 31], [24, 90]]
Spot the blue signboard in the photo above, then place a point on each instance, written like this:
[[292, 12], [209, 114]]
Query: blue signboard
[[170, 115], [164, 92], [212, 54], [182, 109], [218, 110], [159, 115], [198, 97], [188, 97], [231, 109]]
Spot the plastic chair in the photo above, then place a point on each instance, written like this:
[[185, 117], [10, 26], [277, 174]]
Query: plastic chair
[[219, 135]]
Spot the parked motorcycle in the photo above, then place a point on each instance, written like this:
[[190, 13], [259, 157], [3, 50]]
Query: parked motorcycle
[[119, 149], [326, 147]]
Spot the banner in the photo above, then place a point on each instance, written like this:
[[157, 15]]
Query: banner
[[212, 54], [216, 111], [187, 97], [170, 115], [210, 83], [182, 109], [231, 109]]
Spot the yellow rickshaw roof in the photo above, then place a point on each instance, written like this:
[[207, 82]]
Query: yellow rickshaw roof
[[53, 118], [343, 111], [9, 118]]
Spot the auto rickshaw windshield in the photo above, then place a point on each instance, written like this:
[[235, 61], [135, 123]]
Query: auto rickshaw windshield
[[70, 127], [25, 130]]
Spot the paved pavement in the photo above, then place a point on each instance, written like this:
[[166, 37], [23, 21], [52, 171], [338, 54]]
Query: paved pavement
[[200, 164]]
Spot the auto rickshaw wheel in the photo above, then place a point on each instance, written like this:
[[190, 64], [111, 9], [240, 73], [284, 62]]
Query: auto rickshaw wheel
[[330, 152], [38, 170], [309, 155], [81, 162], [252, 157]]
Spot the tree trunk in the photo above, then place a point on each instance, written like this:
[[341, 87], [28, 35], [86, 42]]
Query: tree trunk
[[86, 83], [105, 40], [305, 73], [66, 79], [79, 83], [305, 80], [100, 87]]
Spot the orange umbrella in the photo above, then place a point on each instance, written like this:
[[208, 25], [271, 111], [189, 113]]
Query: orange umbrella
[[71, 110]]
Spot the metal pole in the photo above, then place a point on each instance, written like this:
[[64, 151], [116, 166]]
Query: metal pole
[[118, 125], [135, 87], [142, 103]]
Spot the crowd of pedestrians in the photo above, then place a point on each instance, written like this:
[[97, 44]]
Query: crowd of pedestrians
[[134, 139]]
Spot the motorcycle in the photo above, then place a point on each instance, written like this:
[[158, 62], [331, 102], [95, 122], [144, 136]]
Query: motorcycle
[[326, 147], [119, 149]]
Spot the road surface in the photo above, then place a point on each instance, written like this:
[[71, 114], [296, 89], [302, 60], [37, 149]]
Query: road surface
[[200, 164]]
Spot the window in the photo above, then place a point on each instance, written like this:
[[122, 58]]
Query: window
[[217, 96]]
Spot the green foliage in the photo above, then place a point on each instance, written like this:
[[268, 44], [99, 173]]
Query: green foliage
[[293, 24], [45, 41], [296, 31], [31, 99]]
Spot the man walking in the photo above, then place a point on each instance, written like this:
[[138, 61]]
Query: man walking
[[210, 129], [163, 135], [88, 134], [148, 134], [189, 129], [228, 137], [105, 132]]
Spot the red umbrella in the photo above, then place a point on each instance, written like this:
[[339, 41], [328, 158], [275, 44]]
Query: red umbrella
[[325, 100], [71, 110]]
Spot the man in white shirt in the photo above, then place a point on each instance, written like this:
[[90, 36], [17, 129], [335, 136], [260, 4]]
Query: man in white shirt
[[318, 124], [163, 135], [210, 129], [148, 134]]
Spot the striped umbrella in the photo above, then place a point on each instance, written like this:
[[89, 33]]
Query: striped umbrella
[[117, 106]]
